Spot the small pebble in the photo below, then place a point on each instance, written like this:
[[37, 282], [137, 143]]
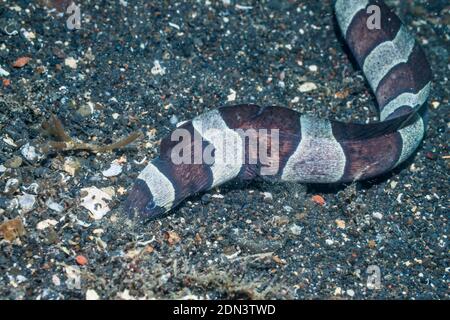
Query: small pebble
[[267, 196], [42, 225], [158, 69], [318, 200], [351, 293], [232, 96], [295, 229], [56, 281], [3, 72], [377, 215], [14, 163], [21, 62], [29, 152], [81, 260], [12, 229], [29, 35], [71, 62], [72, 166], [91, 294], [172, 237], [12, 184], [27, 202], [430, 155], [114, 170], [340, 223], [86, 109], [435, 104], [173, 120], [4, 203], [73, 274], [307, 86], [313, 68], [54, 206]]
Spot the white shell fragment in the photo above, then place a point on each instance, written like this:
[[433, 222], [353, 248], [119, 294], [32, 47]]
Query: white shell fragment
[[11, 185], [173, 120], [29, 152], [71, 166], [91, 294], [295, 229], [158, 69], [73, 274], [54, 206], [232, 96], [307, 86], [3, 72], [267, 196], [71, 62], [114, 170], [377, 215], [56, 281], [95, 202], [27, 202], [46, 223]]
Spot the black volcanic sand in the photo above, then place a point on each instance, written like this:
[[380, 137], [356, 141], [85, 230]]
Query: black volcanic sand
[[241, 240]]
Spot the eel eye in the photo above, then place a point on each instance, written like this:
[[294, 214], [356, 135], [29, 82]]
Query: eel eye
[[150, 205]]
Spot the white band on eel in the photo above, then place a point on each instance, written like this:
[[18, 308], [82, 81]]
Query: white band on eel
[[228, 145], [386, 56], [346, 11], [318, 157], [411, 137], [406, 99], [159, 185]]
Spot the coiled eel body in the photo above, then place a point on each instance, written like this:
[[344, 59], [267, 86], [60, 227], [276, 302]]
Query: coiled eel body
[[308, 149]]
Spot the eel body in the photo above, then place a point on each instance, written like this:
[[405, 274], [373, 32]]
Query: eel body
[[302, 148]]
